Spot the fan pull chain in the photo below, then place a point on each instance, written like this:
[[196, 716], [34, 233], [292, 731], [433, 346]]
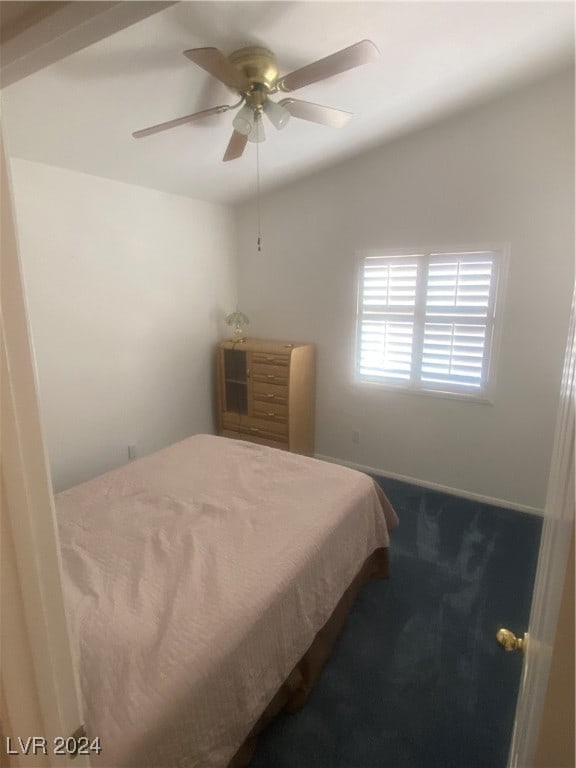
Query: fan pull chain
[[258, 196]]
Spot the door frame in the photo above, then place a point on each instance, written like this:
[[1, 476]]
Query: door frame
[[35, 639]]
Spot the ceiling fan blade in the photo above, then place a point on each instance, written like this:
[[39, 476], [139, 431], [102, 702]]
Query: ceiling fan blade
[[235, 147], [347, 58], [216, 64], [180, 121], [316, 113]]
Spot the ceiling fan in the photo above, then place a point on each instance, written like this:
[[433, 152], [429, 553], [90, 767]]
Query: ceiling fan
[[253, 73]]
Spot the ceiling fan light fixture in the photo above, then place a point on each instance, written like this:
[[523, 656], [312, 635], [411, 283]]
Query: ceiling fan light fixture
[[257, 134], [252, 72], [277, 114], [244, 121]]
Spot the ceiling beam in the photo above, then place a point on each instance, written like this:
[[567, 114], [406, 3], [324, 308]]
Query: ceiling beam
[[34, 35]]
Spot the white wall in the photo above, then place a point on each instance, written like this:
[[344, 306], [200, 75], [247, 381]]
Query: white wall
[[126, 288], [502, 172]]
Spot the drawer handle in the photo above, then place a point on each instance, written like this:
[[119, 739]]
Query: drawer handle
[[271, 359], [270, 376], [254, 429], [271, 414], [270, 396]]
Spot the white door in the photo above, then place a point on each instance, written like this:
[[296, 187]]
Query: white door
[[557, 534]]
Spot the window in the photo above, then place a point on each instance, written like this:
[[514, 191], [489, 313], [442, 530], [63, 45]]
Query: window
[[425, 321]]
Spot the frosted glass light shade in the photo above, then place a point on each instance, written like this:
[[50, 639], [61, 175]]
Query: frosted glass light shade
[[277, 114], [257, 133], [244, 120]]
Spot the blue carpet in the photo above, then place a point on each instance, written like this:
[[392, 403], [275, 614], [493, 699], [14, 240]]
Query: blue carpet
[[417, 679]]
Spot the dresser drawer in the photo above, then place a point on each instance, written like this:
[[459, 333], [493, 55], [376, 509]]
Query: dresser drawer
[[270, 393], [273, 427], [272, 374], [263, 427], [270, 359], [270, 410]]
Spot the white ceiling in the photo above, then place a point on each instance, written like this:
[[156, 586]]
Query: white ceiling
[[79, 113]]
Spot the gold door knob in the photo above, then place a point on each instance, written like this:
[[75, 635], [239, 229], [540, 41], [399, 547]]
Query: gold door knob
[[509, 641]]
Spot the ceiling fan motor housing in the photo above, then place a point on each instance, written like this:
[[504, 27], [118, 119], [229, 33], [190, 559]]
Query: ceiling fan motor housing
[[259, 66]]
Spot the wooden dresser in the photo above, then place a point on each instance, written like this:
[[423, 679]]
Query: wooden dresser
[[266, 393]]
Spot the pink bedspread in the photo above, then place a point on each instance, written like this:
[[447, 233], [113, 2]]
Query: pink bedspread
[[195, 579]]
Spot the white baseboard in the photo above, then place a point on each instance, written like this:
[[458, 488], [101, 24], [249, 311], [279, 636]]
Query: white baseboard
[[435, 486]]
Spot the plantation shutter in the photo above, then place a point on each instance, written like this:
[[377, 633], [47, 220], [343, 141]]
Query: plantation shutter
[[458, 323], [426, 321], [387, 327]]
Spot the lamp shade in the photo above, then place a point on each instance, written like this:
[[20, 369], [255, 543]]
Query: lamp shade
[[257, 133], [277, 114], [244, 120]]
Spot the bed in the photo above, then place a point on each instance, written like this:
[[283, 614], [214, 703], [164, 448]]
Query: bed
[[205, 585]]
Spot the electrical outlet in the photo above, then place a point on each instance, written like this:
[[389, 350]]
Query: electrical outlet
[[355, 436], [132, 452]]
